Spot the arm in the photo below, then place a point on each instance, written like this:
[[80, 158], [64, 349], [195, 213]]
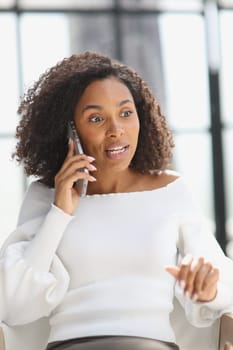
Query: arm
[[200, 243], [216, 296], [31, 273]]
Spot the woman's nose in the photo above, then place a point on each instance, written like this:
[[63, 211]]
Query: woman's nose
[[115, 130]]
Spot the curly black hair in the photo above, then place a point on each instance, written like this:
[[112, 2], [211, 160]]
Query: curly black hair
[[50, 103]]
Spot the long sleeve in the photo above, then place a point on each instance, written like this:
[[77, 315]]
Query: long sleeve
[[33, 279], [195, 239]]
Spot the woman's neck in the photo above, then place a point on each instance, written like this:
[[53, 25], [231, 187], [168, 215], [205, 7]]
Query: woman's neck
[[112, 182]]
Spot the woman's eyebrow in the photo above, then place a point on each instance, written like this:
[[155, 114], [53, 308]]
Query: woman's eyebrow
[[91, 107], [85, 108], [125, 101]]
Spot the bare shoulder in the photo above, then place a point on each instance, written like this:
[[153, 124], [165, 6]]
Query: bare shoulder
[[168, 176], [163, 179], [154, 181]]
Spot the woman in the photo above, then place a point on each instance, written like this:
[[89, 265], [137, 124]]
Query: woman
[[102, 267]]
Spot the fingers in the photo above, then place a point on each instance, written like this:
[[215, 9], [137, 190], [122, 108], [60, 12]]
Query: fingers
[[209, 287], [197, 277], [72, 168], [185, 270], [76, 164], [211, 279], [69, 179], [71, 158], [65, 178], [173, 270]]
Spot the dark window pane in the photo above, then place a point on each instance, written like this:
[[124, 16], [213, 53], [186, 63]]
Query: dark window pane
[[141, 50], [93, 33], [166, 5], [228, 139]]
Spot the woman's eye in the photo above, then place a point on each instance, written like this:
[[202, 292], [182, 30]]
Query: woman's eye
[[95, 118], [126, 114]]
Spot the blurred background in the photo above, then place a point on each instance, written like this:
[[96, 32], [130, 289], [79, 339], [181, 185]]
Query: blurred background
[[182, 48]]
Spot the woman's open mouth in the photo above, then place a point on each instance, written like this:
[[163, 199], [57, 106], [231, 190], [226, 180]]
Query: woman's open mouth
[[117, 152]]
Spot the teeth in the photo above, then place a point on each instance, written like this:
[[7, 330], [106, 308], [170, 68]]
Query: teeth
[[117, 150]]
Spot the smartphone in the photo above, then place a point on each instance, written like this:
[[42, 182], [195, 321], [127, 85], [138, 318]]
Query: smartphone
[[80, 185]]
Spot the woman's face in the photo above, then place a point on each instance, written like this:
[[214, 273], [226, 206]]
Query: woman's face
[[107, 123]]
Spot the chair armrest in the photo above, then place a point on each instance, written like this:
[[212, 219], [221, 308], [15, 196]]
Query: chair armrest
[[2, 342], [226, 331]]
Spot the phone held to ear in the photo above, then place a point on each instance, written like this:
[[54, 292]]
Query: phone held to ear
[[80, 185]]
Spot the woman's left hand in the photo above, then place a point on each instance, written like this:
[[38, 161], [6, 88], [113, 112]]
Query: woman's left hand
[[197, 277]]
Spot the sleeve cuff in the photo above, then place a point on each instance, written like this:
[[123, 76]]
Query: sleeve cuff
[[223, 299], [58, 210]]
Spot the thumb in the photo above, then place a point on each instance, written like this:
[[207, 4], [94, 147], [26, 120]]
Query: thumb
[[173, 270]]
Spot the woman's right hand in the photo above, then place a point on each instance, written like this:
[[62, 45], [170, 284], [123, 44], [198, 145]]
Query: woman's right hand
[[66, 196]]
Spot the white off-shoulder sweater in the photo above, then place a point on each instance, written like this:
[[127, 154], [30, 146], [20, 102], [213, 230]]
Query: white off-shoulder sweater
[[102, 270]]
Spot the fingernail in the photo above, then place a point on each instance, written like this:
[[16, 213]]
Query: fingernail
[[90, 158], [187, 294], [92, 178], [92, 167], [193, 266], [182, 284], [187, 259], [194, 297]]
